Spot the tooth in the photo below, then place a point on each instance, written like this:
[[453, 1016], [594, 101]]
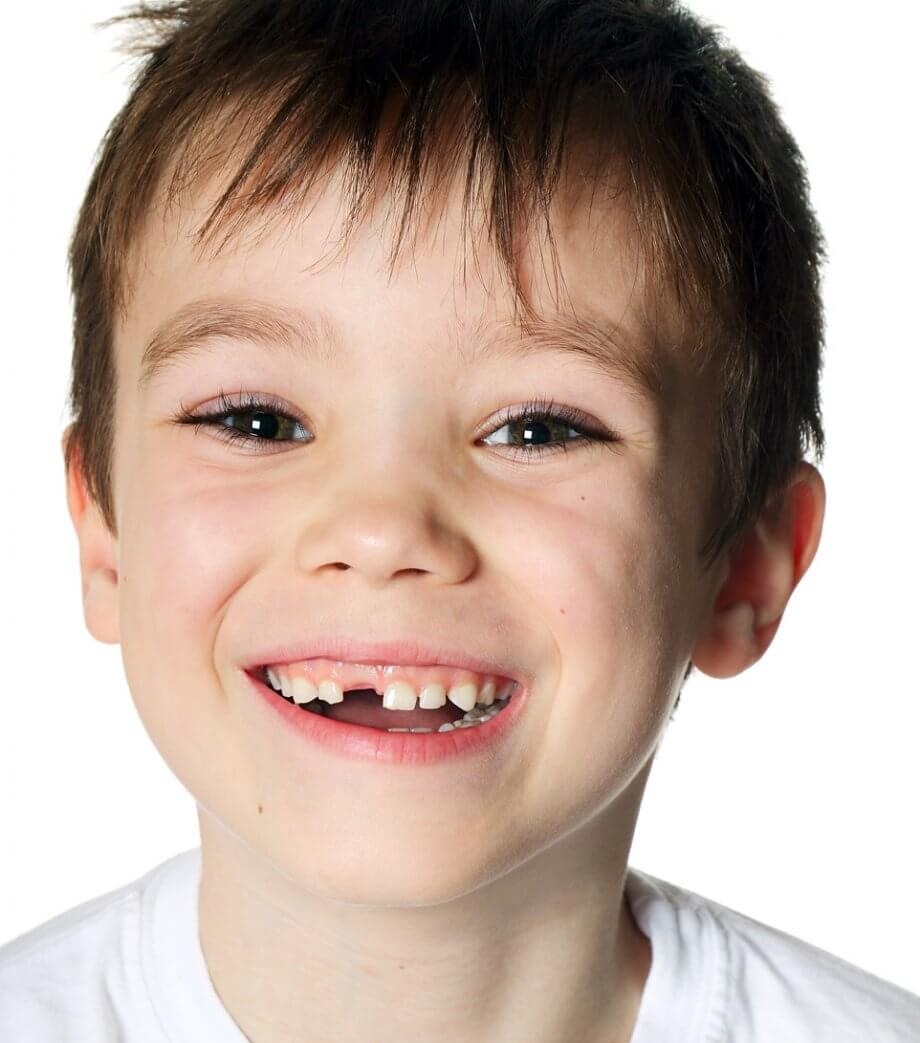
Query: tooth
[[432, 696], [463, 695], [398, 729], [287, 689], [448, 727], [487, 694], [475, 713], [304, 690], [418, 731], [273, 679], [399, 695], [330, 691]]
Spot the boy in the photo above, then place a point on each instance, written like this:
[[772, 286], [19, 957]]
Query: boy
[[611, 253]]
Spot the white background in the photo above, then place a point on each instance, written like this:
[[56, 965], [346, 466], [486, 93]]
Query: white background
[[789, 793]]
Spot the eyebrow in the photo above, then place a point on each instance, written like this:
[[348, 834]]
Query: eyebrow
[[198, 326]]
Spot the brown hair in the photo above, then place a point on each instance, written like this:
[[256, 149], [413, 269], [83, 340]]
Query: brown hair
[[716, 183]]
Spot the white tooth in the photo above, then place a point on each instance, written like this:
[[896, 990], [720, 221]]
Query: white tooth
[[399, 695], [273, 679], [418, 731], [448, 727], [487, 694], [287, 689], [463, 695], [432, 696], [398, 729], [330, 691], [304, 690]]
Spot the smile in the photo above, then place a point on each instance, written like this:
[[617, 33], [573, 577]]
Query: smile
[[395, 714], [414, 698]]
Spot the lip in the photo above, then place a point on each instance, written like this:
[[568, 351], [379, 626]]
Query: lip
[[396, 653], [373, 745]]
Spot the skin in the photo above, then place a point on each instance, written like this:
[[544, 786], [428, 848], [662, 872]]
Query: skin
[[470, 900]]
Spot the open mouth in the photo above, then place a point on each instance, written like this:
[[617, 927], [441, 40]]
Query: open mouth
[[365, 707]]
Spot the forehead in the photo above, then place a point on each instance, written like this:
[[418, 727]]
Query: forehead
[[287, 278]]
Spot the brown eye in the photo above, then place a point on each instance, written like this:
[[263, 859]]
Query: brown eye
[[259, 424], [536, 431], [254, 423], [537, 424]]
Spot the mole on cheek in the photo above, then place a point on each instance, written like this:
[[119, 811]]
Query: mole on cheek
[[259, 806]]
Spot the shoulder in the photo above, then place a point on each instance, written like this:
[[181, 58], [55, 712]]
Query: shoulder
[[764, 984], [78, 976]]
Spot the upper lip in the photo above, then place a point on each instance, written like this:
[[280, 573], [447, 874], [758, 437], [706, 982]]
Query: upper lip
[[398, 652]]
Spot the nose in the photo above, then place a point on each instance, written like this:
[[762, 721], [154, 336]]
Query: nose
[[382, 534]]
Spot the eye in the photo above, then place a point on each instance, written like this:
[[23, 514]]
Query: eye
[[261, 423], [256, 421], [536, 421]]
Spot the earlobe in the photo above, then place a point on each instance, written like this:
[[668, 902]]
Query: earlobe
[[98, 557], [762, 571]]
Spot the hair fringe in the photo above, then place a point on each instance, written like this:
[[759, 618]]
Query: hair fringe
[[273, 94]]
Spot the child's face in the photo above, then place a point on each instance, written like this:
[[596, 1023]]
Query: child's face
[[580, 568]]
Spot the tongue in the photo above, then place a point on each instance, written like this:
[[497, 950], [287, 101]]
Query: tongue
[[365, 707]]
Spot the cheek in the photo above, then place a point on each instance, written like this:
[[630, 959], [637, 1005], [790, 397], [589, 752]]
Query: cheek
[[187, 555], [606, 569], [610, 587], [185, 551]]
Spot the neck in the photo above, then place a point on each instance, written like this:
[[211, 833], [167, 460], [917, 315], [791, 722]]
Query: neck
[[547, 951]]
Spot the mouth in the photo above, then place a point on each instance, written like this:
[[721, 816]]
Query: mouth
[[393, 705], [438, 715]]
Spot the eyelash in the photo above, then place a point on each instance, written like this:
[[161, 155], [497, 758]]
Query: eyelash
[[535, 410]]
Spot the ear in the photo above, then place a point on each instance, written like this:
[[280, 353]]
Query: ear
[[98, 559], [761, 574]]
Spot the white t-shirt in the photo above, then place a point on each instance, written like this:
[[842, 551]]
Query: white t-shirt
[[127, 967]]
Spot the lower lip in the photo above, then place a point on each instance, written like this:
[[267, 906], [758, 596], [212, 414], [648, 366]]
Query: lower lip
[[377, 746]]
